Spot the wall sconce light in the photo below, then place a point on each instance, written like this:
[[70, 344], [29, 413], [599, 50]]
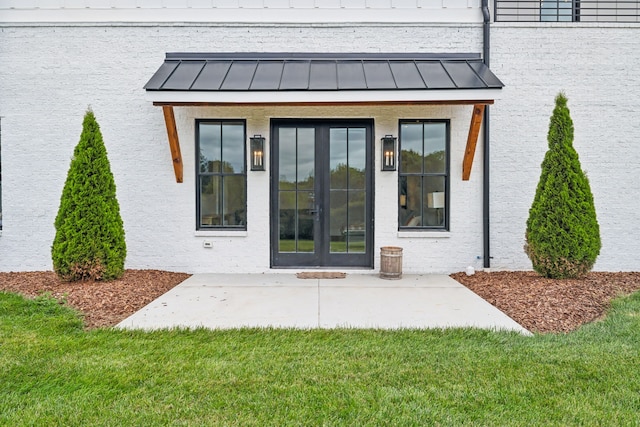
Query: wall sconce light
[[389, 153], [257, 152]]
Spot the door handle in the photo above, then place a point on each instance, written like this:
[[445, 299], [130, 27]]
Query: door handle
[[316, 212]]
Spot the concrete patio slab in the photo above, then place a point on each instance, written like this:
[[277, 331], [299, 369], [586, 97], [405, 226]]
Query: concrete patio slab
[[223, 301]]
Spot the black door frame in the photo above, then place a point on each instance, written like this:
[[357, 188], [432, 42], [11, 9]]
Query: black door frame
[[322, 257]]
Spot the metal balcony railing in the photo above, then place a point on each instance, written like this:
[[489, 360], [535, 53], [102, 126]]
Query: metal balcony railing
[[567, 11]]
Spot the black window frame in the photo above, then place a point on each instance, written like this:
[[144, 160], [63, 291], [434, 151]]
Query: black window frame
[[552, 11], [402, 215], [221, 173]]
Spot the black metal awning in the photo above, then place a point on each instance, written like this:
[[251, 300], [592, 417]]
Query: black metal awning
[[250, 72], [322, 79]]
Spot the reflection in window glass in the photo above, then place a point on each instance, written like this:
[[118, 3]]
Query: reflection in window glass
[[338, 158], [222, 177], [306, 158], [287, 157], [423, 175], [435, 143], [357, 214], [412, 136], [347, 198], [233, 148], [357, 157], [305, 227], [297, 206], [433, 201], [210, 147]]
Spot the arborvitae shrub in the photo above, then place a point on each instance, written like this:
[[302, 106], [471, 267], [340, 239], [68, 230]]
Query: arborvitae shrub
[[89, 241], [563, 236]]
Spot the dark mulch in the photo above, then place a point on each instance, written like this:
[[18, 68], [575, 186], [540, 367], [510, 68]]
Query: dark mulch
[[101, 303], [548, 305]]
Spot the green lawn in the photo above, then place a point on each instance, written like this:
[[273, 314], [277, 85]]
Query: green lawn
[[52, 372], [355, 246]]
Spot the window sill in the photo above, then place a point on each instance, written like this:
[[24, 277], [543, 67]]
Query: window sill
[[220, 233], [427, 234]]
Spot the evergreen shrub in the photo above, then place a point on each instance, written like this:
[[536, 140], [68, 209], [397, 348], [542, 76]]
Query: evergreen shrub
[[89, 241], [563, 235]]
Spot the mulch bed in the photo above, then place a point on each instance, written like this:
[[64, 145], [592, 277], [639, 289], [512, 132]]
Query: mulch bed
[[101, 303], [548, 305]]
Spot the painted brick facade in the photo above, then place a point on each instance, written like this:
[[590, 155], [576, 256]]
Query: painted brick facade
[[51, 72], [594, 65], [54, 72]]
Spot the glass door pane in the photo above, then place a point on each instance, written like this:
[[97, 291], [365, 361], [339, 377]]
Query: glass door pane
[[347, 207], [296, 190]]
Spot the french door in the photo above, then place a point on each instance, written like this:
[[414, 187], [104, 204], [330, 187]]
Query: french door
[[321, 193]]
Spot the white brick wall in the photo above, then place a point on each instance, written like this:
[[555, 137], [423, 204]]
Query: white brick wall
[[596, 66], [237, 4], [255, 11], [250, 251], [50, 74]]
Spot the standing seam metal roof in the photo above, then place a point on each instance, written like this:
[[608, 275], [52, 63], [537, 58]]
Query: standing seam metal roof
[[321, 72]]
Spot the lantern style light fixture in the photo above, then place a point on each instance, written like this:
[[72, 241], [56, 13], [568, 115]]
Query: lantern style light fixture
[[257, 152], [389, 153]]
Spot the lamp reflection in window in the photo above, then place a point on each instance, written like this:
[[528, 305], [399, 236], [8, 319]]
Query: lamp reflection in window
[[435, 201]]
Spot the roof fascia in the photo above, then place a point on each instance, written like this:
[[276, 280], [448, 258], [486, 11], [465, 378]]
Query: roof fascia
[[451, 96]]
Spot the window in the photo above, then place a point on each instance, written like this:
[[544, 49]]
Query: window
[[221, 175], [424, 175], [567, 10], [558, 11]]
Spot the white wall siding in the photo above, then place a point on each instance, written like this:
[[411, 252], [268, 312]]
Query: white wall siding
[[596, 67]]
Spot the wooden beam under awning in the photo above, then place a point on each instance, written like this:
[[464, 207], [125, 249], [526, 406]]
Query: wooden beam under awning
[[174, 142], [472, 140]]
